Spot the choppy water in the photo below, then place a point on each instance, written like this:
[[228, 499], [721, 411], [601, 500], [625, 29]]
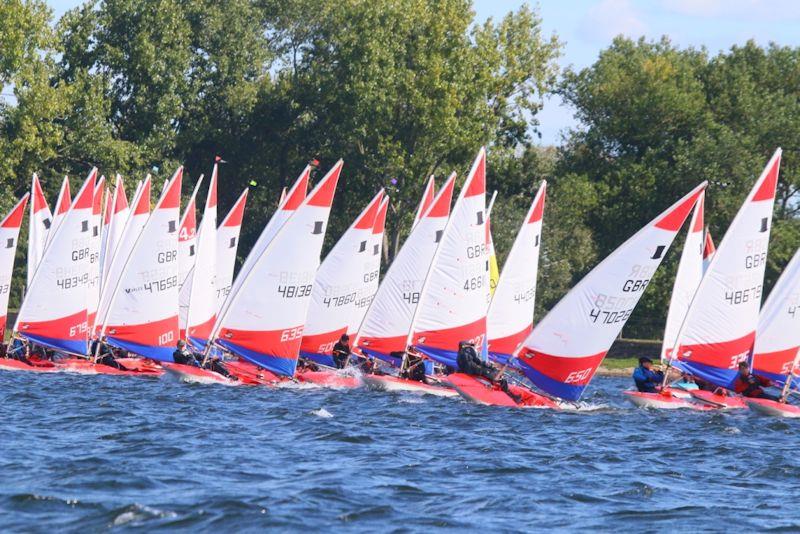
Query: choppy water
[[88, 453]]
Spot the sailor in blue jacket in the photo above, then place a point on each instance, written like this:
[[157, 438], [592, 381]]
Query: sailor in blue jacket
[[647, 380]]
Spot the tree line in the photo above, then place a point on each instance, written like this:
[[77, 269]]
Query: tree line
[[400, 89]]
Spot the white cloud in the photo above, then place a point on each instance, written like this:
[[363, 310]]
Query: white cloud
[[609, 18], [752, 10]]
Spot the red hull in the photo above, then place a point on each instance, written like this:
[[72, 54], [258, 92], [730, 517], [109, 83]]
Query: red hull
[[329, 379], [8, 364], [478, 391], [136, 367], [246, 373]]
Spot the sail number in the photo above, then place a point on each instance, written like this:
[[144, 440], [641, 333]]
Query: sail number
[[4, 288], [743, 296], [166, 338], [473, 283], [292, 333], [161, 285], [411, 297], [78, 329], [290, 292], [610, 317], [579, 376], [72, 281]]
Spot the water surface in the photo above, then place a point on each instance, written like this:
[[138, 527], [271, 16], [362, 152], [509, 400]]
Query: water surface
[[99, 452]]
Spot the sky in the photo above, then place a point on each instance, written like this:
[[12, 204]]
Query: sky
[[587, 26]]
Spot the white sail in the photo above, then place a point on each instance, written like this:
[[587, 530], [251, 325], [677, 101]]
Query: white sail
[[778, 334], [510, 316], [93, 291], [563, 351], [142, 316], [719, 330], [137, 218], [53, 312], [289, 204], [227, 245], [687, 279], [337, 285], [202, 281], [9, 236], [62, 206], [39, 225], [265, 313], [455, 295], [117, 218], [384, 329]]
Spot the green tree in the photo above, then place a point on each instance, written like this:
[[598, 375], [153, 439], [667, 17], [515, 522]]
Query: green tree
[[656, 120]]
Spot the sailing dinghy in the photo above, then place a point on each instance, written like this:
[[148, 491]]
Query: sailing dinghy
[[384, 329], [455, 295], [9, 234], [187, 250], [142, 315], [776, 354], [563, 352], [337, 286], [687, 279], [718, 331], [263, 317], [53, 313], [510, 315], [201, 280]]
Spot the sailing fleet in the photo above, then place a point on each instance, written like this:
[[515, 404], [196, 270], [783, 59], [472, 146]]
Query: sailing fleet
[[105, 272]]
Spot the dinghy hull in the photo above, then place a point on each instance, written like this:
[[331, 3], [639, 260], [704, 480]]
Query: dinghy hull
[[660, 401], [329, 379], [723, 402], [773, 408], [198, 375], [480, 392], [136, 367], [8, 364], [394, 383]]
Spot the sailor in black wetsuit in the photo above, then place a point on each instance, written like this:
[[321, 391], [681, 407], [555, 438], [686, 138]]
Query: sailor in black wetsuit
[[183, 356], [469, 364], [341, 352], [415, 369], [216, 364], [104, 354]]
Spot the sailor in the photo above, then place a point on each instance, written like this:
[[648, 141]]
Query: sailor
[[341, 352], [415, 369], [105, 355], [214, 363], [368, 366], [469, 364], [646, 378], [183, 356], [18, 351], [304, 364], [750, 385]]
